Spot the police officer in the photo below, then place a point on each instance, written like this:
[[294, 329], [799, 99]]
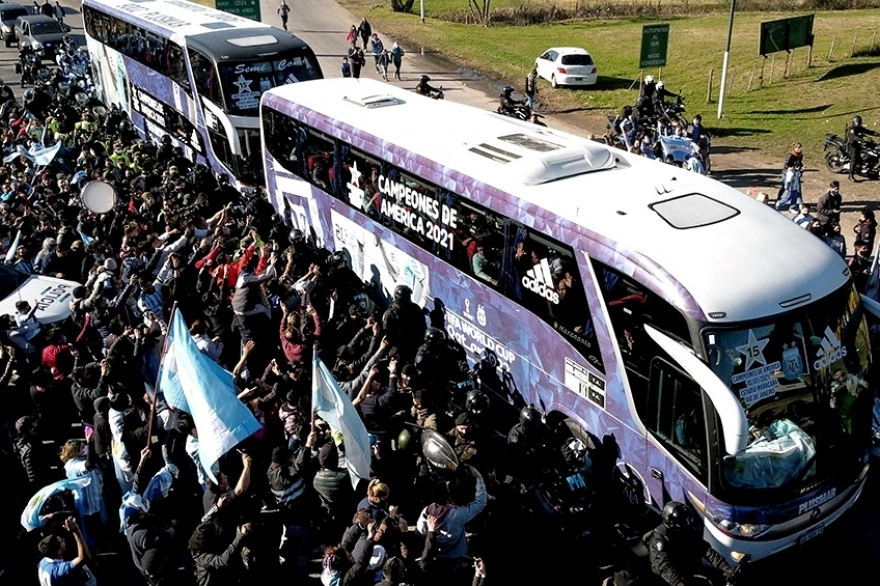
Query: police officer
[[676, 550], [528, 448], [854, 136], [404, 323]]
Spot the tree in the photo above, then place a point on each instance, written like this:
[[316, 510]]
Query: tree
[[398, 6]]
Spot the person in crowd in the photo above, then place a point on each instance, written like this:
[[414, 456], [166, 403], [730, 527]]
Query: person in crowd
[[855, 136], [804, 218], [677, 549], [828, 208], [283, 11], [866, 228], [396, 59], [794, 158], [365, 30], [54, 570]]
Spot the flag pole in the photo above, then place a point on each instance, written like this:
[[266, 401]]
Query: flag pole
[[158, 371], [312, 406]]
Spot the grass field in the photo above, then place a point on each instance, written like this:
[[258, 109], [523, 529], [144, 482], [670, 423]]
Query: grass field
[[803, 106]]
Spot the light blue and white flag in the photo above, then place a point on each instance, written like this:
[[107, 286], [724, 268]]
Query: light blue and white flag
[[330, 403], [677, 146], [87, 499], [195, 384]]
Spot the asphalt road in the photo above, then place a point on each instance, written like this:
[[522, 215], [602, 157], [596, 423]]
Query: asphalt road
[[845, 553]]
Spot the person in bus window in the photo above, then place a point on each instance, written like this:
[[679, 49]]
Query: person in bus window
[[483, 267]]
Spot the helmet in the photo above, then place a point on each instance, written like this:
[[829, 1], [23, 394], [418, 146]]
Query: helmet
[[857, 120], [489, 357], [529, 417], [476, 401], [402, 293], [297, 236], [676, 516], [649, 79], [403, 439], [659, 84], [434, 335], [29, 95], [424, 79], [507, 90]]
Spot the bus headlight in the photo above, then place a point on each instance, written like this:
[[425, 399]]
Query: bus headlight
[[732, 528], [745, 530]]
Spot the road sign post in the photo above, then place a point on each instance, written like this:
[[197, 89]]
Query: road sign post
[[655, 40], [244, 8]]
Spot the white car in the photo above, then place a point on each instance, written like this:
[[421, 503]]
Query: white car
[[567, 66], [51, 295]]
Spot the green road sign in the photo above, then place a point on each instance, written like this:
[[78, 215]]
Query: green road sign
[[655, 40], [244, 8]]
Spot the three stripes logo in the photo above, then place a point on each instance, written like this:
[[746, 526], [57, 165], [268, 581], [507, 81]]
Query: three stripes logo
[[831, 351], [539, 280]]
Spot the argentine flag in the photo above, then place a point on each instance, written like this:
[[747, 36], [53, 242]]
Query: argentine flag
[[331, 404], [195, 384]]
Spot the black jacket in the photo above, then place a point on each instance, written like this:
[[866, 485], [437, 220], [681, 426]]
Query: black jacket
[[676, 557], [214, 569]]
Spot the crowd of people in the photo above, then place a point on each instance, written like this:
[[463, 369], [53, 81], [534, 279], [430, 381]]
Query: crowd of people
[[89, 434]]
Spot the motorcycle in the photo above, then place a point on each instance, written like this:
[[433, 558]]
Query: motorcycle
[[837, 156], [633, 563], [520, 112], [433, 94], [31, 68]]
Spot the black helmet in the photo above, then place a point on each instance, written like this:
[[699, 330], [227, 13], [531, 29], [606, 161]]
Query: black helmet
[[433, 335], [296, 235], [489, 357], [477, 401], [676, 516], [529, 417], [857, 120], [424, 79], [507, 90], [402, 293]]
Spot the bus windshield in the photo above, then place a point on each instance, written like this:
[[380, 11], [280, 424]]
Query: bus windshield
[[803, 381], [245, 82]]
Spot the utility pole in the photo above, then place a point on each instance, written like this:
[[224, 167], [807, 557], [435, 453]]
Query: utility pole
[[726, 61]]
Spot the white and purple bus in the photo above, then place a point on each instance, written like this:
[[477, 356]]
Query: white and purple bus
[[720, 350], [193, 73]]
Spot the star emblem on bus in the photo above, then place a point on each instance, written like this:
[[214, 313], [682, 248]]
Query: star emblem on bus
[[355, 193], [753, 350], [244, 85]]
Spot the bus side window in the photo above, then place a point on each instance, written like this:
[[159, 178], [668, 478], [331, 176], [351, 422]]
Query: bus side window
[[205, 77], [175, 66], [282, 134], [317, 159], [359, 186], [676, 416]]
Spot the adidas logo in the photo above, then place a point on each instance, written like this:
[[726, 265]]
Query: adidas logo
[[538, 280], [831, 351]]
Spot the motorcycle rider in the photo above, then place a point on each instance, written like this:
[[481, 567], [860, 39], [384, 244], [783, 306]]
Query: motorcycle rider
[[661, 93], [28, 61], [676, 549], [404, 323], [426, 89], [507, 105], [854, 136]]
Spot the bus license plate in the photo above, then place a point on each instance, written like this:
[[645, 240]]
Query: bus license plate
[[814, 532]]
